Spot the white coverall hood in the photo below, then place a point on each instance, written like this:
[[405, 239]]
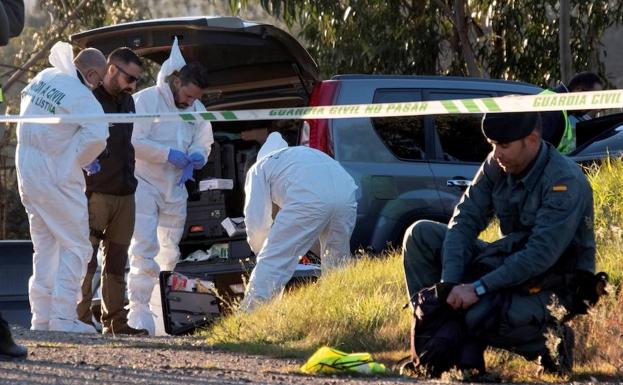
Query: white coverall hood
[[174, 63], [62, 58], [273, 143]]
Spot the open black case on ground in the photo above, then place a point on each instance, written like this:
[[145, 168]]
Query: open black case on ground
[[196, 293], [212, 288]]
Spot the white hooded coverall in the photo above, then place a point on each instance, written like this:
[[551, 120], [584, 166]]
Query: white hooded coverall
[[160, 202], [317, 200], [49, 162]]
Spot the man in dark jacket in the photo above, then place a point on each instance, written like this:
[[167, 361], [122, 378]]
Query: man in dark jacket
[[544, 205], [11, 24], [110, 189]]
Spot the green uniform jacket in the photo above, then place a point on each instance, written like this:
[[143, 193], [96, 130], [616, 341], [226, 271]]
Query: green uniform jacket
[[545, 214]]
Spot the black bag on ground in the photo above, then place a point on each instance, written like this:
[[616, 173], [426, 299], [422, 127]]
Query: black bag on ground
[[438, 334], [587, 289]]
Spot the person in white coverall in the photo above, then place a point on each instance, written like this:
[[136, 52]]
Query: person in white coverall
[[49, 159], [316, 197], [166, 154]]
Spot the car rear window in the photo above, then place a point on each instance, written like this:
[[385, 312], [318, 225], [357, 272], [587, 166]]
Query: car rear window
[[403, 135], [459, 134]]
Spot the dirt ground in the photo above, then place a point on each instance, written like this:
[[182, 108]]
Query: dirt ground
[[66, 358]]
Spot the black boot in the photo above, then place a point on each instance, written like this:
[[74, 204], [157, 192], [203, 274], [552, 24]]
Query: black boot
[[8, 347]]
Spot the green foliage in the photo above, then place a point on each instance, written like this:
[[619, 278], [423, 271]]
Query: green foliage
[[520, 38], [510, 39], [55, 21], [367, 36]]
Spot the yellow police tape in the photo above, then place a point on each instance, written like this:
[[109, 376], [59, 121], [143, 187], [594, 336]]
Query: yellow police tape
[[523, 103], [327, 360]]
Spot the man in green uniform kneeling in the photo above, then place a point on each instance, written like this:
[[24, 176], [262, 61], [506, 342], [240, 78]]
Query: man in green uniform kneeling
[[544, 205]]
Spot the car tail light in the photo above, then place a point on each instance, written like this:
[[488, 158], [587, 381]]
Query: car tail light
[[323, 94]]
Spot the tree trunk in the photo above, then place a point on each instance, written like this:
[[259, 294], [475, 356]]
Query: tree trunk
[[456, 14], [460, 24], [566, 64]]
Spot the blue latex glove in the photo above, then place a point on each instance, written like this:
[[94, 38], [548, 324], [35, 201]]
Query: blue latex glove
[[187, 174], [93, 167], [177, 158], [197, 160]]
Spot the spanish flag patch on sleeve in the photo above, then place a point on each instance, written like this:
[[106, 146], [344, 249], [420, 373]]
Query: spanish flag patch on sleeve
[[559, 188]]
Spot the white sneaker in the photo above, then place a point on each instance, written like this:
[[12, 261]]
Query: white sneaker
[[71, 326]]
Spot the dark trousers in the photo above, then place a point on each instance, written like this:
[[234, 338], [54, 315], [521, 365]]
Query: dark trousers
[[111, 221]]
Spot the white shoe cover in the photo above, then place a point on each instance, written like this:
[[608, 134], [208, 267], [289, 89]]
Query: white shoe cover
[[71, 326]]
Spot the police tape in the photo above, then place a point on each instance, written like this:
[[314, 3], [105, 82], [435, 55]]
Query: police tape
[[524, 103]]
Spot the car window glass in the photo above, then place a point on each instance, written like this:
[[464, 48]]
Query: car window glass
[[403, 135], [356, 141], [460, 134]]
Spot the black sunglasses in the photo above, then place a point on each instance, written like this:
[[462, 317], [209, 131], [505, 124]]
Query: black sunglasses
[[128, 77]]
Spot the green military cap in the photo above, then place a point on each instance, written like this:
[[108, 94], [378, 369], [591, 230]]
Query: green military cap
[[507, 127]]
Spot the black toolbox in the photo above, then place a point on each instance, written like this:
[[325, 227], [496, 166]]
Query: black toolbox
[[204, 216]]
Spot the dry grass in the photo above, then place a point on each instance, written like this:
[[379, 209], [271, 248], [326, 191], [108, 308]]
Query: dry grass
[[355, 308], [359, 308]]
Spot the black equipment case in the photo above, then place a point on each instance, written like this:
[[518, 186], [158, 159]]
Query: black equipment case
[[187, 309], [184, 311]]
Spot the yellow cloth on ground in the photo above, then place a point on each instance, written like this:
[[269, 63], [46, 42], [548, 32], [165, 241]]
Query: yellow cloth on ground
[[328, 360]]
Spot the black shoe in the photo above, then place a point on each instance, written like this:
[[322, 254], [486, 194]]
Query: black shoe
[[8, 347], [125, 330], [563, 364]]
